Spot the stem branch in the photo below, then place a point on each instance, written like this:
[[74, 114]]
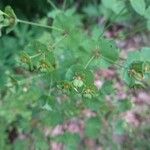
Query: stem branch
[[38, 25], [52, 4], [114, 19], [89, 61]]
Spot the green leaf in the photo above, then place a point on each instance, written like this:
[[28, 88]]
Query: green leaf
[[91, 10], [1, 18], [139, 6], [21, 144], [72, 22], [107, 88], [93, 127], [70, 140], [114, 5], [48, 101], [95, 34], [52, 118], [147, 12], [145, 54], [50, 111], [93, 104], [108, 50], [35, 46], [40, 141], [120, 127], [108, 3], [124, 105], [118, 6], [137, 70], [70, 109]]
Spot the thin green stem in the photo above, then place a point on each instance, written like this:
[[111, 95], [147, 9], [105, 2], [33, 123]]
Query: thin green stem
[[119, 65], [109, 25], [57, 42], [52, 4], [38, 25], [36, 55], [3, 13], [90, 60], [64, 5]]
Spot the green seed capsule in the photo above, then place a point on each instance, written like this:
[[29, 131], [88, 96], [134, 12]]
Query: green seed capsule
[[77, 82]]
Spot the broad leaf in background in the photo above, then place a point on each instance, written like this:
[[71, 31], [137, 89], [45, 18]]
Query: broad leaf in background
[[92, 10], [114, 5], [124, 105], [139, 6], [21, 144], [147, 12], [93, 127], [69, 140], [107, 88]]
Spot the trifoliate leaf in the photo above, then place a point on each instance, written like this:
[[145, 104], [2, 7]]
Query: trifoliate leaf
[[93, 127], [139, 6]]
